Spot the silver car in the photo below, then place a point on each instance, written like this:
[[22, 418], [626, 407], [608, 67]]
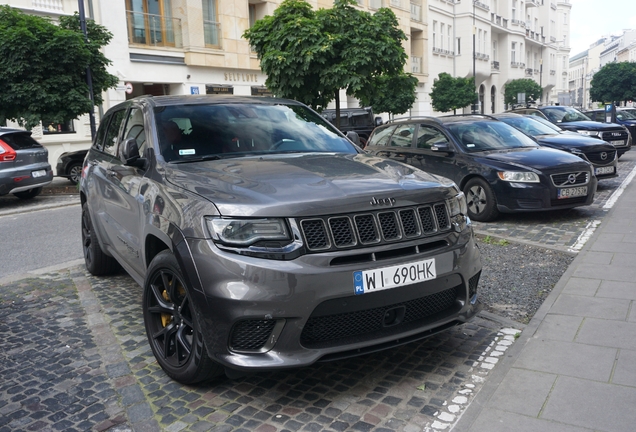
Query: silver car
[[264, 239], [24, 166]]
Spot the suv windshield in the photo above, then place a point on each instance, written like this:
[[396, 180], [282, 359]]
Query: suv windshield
[[489, 135], [564, 114], [198, 132], [529, 126]]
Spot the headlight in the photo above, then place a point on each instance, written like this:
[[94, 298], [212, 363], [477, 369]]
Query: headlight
[[518, 176], [589, 133], [457, 205], [245, 232]]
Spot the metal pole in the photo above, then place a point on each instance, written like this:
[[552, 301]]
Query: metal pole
[[474, 110], [89, 77]]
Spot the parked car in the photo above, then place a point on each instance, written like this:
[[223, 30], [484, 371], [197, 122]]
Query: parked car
[[573, 120], [624, 117], [358, 120], [599, 153], [499, 168], [264, 239], [24, 166], [69, 165]]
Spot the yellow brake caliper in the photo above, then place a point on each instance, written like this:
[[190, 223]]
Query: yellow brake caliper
[[167, 318]]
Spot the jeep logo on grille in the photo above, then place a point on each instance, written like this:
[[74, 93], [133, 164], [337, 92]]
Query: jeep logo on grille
[[383, 201], [572, 178], [603, 155]]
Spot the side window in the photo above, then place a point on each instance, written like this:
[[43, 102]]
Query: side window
[[135, 128], [101, 132], [110, 141], [428, 136], [403, 136], [381, 137]]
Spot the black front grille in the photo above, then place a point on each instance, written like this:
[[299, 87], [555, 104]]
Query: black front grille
[[340, 327], [617, 135], [251, 335], [382, 226], [472, 285], [597, 157], [570, 179]]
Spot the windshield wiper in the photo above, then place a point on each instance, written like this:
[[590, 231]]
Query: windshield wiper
[[197, 159]]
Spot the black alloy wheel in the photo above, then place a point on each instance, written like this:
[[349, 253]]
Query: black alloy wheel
[[74, 172], [172, 324], [97, 262], [481, 201]]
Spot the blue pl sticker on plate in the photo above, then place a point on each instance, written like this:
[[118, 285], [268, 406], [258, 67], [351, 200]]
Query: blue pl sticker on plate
[[357, 283]]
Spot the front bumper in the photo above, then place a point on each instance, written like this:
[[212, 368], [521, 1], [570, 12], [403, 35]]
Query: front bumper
[[259, 314]]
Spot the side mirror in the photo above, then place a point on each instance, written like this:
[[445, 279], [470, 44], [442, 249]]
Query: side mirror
[[378, 121], [441, 148], [354, 138], [130, 153]]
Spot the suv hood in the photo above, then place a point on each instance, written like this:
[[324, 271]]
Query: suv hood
[[539, 158], [306, 184], [590, 125], [577, 141]]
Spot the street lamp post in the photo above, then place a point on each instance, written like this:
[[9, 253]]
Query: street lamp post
[[89, 77], [474, 110]]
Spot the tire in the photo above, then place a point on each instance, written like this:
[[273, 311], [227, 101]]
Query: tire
[[481, 200], [172, 324], [97, 262], [74, 172], [28, 194]]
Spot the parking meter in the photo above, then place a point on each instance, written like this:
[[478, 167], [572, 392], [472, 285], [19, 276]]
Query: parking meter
[[610, 113]]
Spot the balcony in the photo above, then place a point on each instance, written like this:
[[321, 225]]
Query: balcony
[[48, 5], [529, 72], [553, 5], [517, 65], [494, 65], [153, 30], [416, 11], [552, 72], [212, 34], [481, 5], [481, 56], [443, 52], [416, 65]]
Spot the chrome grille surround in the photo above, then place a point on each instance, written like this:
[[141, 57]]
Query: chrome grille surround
[[358, 230], [570, 179]]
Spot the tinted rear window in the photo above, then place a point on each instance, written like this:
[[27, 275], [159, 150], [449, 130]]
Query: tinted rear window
[[19, 140]]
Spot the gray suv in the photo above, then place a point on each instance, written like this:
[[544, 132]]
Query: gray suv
[[264, 239]]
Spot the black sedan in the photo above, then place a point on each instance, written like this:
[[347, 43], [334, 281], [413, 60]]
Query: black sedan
[[499, 168], [24, 164], [69, 165], [599, 153]]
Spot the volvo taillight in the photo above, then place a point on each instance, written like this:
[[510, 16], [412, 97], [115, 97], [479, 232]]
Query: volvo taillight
[[7, 154]]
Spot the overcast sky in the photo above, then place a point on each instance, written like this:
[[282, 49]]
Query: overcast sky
[[592, 19]]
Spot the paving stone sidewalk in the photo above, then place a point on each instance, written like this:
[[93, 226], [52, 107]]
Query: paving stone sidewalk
[[75, 357]]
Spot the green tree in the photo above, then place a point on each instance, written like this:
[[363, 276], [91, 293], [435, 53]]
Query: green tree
[[528, 86], [614, 82], [310, 55], [43, 71], [450, 93]]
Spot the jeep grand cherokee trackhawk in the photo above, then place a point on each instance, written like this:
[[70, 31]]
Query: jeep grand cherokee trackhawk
[[264, 239]]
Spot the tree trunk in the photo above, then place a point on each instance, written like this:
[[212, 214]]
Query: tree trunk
[[337, 109]]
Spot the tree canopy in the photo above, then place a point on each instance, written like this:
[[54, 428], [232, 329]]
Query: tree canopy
[[530, 87], [310, 55], [614, 82], [43, 73], [450, 93]]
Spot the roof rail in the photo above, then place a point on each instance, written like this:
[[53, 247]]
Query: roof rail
[[413, 118]]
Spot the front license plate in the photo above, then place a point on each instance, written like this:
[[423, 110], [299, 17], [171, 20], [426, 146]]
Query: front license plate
[[395, 276], [572, 192], [604, 170], [619, 143], [38, 173]]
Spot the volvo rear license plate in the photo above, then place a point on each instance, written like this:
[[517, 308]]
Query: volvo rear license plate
[[572, 192], [38, 173], [604, 170], [395, 276]]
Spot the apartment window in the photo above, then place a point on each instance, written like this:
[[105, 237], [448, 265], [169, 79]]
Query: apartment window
[[434, 34], [495, 7], [211, 26], [479, 35], [513, 52], [442, 29], [494, 50], [450, 37], [150, 22], [565, 18], [521, 52], [52, 127], [514, 9], [565, 59], [458, 46], [483, 50]]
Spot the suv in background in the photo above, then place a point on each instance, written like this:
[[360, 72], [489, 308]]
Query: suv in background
[[24, 166], [574, 120], [624, 117], [499, 168], [264, 239], [358, 120], [599, 153]]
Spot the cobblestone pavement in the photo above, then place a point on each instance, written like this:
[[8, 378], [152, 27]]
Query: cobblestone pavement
[[75, 357]]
